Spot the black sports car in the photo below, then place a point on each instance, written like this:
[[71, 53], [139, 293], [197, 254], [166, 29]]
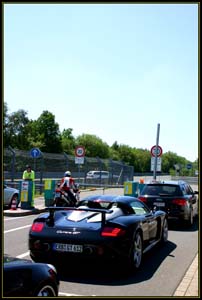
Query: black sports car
[[101, 226], [23, 278]]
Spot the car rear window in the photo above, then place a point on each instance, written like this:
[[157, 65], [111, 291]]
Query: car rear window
[[171, 190]]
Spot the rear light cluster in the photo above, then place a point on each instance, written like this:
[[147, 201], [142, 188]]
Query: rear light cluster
[[112, 232], [181, 202], [37, 227], [143, 199]]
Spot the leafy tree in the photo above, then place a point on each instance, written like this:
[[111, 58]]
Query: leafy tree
[[142, 161], [94, 146], [114, 154], [68, 141], [46, 131], [115, 146], [126, 154], [15, 129], [35, 137], [21, 133], [5, 125]]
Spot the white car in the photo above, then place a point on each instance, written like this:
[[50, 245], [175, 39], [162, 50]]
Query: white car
[[9, 195], [97, 175]]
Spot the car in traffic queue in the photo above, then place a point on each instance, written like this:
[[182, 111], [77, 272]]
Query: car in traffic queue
[[176, 198], [10, 194], [24, 278], [107, 227]]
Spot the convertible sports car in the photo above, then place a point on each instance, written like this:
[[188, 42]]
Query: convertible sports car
[[23, 278], [101, 226]]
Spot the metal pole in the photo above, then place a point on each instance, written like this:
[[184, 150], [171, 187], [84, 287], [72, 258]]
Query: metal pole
[[79, 171], [13, 163], [155, 158]]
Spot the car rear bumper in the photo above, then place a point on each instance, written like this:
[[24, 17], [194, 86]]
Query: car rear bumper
[[90, 251]]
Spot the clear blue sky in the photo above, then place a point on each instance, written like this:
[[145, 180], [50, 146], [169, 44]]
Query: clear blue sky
[[112, 70]]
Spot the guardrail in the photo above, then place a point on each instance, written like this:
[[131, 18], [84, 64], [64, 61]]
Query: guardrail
[[190, 180]]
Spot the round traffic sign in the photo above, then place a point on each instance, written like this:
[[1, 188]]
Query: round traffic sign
[[159, 151], [35, 152], [80, 151]]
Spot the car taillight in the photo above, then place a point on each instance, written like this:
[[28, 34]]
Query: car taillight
[[113, 232], [37, 227], [143, 199], [181, 202]]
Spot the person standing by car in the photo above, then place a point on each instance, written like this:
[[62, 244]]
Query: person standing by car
[[29, 174], [68, 184]]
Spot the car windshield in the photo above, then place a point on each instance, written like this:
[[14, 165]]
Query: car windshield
[[161, 189]]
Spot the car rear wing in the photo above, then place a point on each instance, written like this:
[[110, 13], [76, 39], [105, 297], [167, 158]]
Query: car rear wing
[[103, 211]]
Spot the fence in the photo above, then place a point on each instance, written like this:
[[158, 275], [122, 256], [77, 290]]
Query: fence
[[52, 165]]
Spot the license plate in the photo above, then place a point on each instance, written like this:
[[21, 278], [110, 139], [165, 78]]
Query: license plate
[[159, 203], [68, 248]]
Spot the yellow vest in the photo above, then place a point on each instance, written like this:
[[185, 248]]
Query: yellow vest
[[28, 175]]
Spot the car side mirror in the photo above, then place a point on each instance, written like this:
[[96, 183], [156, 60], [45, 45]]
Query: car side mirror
[[196, 192]]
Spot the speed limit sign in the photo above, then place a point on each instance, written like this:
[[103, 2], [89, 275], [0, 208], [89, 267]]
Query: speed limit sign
[[80, 151]]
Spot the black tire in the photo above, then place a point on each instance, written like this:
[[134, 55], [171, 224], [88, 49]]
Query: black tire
[[47, 289], [164, 233], [190, 221], [135, 258], [14, 197]]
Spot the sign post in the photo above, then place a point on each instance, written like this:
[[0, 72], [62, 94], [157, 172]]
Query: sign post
[[79, 157], [156, 151], [35, 153]]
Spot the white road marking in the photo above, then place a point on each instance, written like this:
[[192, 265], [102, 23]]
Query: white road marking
[[18, 228], [67, 294], [23, 255], [11, 219]]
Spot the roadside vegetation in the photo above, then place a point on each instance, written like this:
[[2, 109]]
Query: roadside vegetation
[[21, 133]]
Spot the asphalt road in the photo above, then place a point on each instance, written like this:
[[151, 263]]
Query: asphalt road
[[162, 270]]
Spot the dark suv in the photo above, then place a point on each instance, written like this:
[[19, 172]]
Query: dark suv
[[175, 197]]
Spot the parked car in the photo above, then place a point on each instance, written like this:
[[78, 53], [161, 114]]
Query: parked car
[[176, 198], [23, 278], [9, 195], [105, 227]]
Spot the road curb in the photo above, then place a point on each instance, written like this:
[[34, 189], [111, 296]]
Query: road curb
[[21, 213], [189, 284]]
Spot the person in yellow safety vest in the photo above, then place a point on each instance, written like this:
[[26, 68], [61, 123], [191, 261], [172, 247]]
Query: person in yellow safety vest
[[29, 174]]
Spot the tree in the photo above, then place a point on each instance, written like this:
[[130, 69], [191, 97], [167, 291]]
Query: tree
[[126, 154], [15, 129], [94, 146], [5, 126], [142, 161], [68, 141], [46, 131]]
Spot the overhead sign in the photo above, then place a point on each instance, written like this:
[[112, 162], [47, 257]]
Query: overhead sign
[[80, 151], [35, 152], [159, 151], [158, 166]]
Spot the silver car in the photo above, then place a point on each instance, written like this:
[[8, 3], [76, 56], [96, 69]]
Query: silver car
[[9, 195]]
